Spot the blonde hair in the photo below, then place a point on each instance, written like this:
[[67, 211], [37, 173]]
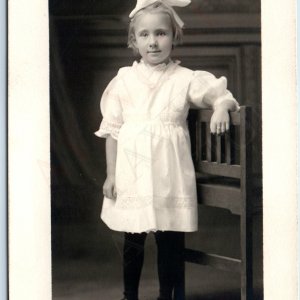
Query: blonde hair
[[156, 7]]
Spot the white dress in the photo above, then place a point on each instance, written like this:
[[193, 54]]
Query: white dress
[[145, 109]]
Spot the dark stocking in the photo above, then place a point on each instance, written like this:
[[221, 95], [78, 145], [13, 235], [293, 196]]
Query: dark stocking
[[133, 254], [170, 247]]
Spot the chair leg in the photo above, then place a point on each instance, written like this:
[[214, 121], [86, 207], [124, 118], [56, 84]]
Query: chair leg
[[246, 258]]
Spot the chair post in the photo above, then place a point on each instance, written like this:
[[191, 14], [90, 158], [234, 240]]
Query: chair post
[[246, 215]]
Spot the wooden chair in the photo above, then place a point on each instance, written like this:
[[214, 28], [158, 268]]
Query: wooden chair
[[223, 168]]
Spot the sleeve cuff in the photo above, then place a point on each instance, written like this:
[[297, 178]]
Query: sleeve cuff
[[227, 97], [108, 128]]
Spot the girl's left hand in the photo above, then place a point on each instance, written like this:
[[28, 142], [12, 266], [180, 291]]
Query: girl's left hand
[[219, 122]]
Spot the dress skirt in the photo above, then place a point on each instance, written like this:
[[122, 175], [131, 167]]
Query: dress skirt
[[155, 179]]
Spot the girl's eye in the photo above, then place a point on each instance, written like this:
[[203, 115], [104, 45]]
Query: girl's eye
[[161, 33], [144, 34]]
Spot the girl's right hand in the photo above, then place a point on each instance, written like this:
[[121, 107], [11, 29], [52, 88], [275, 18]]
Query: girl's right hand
[[219, 122], [109, 188]]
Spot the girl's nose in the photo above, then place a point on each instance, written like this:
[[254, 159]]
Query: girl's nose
[[152, 42]]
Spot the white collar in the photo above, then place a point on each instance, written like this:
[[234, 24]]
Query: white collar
[[153, 76], [159, 67]]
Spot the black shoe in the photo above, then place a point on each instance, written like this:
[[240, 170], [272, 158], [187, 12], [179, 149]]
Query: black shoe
[[129, 297]]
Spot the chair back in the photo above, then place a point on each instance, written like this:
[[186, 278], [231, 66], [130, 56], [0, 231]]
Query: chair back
[[222, 162]]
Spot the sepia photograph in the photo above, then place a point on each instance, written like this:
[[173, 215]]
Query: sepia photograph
[[156, 149], [152, 150]]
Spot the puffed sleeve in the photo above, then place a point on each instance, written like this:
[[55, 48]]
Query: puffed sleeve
[[207, 91], [111, 110]]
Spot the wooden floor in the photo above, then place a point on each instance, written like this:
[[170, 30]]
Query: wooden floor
[[85, 280], [97, 274]]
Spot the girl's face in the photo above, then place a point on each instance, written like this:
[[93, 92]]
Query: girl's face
[[154, 37]]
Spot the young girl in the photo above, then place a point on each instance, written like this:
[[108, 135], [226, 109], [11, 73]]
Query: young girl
[[150, 184]]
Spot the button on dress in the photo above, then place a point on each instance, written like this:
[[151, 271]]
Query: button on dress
[[145, 109]]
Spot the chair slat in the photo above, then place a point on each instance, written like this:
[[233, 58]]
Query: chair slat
[[214, 168], [228, 148], [219, 149], [208, 143], [199, 141]]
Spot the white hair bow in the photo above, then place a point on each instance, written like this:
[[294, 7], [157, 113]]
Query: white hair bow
[[144, 3]]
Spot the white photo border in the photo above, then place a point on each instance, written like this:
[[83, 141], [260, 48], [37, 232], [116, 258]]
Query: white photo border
[[29, 154]]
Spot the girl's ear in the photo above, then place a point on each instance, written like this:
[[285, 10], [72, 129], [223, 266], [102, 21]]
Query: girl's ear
[[133, 41], [173, 44], [133, 45]]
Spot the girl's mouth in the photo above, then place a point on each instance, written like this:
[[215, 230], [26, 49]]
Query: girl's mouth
[[156, 51]]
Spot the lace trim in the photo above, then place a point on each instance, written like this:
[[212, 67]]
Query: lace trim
[[128, 202], [108, 128]]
